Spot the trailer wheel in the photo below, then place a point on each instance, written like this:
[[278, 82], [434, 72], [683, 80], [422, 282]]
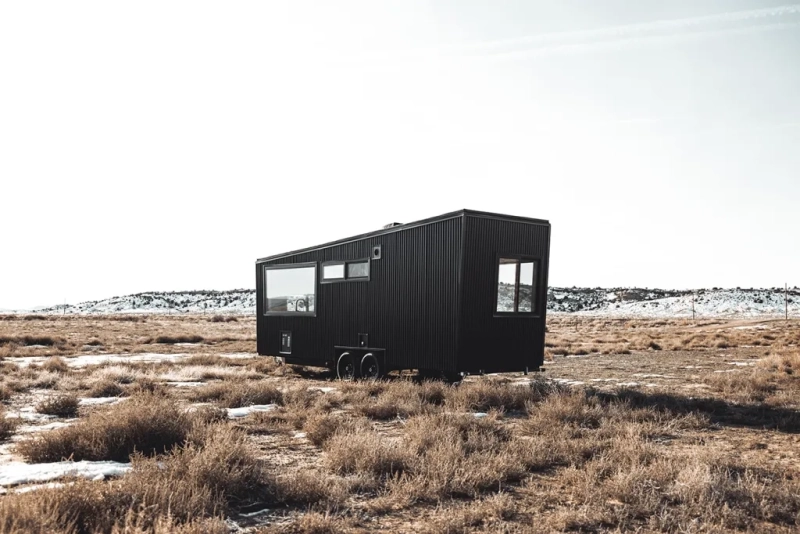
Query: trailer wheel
[[370, 368], [345, 367]]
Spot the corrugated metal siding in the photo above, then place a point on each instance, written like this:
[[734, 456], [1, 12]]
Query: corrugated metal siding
[[500, 343], [409, 305]]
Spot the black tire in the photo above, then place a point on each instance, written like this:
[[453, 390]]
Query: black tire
[[346, 367], [371, 367]]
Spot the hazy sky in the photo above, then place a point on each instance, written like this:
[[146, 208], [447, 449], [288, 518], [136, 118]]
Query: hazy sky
[[167, 145]]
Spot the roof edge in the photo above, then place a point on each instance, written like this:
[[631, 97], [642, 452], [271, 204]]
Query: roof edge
[[406, 226]]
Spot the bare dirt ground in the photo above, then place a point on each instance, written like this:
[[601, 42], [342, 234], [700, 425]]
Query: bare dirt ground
[[633, 426]]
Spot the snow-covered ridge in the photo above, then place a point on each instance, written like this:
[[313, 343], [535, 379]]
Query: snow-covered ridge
[[614, 302], [234, 301], [638, 302]]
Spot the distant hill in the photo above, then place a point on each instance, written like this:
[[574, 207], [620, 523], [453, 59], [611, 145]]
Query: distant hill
[[611, 302]]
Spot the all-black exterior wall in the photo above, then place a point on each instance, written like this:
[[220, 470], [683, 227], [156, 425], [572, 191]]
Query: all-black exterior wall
[[489, 342], [429, 300]]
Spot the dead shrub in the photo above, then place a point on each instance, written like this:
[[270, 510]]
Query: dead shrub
[[60, 406], [320, 427], [310, 487], [787, 363], [367, 453], [458, 455], [484, 395], [238, 394], [55, 364], [147, 386], [489, 512], [7, 426], [396, 399], [46, 380], [28, 341], [5, 392], [106, 388], [744, 385], [145, 423], [223, 319], [181, 489]]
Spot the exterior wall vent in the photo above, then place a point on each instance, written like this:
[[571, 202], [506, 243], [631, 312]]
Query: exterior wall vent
[[392, 225]]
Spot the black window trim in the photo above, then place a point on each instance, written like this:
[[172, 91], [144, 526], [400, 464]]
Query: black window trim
[[347, 277], [521, 258], [324, 280], [291, 266]]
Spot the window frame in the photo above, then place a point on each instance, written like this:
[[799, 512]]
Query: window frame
[[520, 258], [324, 280], [347, 278], [303, 265]]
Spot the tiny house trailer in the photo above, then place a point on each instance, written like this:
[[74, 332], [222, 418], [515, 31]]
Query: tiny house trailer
[[464, 292]]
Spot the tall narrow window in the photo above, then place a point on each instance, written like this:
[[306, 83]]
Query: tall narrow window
[[290, 289], [516, 285]]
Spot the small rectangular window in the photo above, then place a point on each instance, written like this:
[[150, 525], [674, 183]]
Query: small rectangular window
[[358, 269], [516, 285], [290, 289], [333, 271], [343, 271]]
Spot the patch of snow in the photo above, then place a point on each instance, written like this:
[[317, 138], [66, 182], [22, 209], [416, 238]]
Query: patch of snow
[[29, 413], [94, 401], [49, 485], [742, 364], [568, 382], [299, 435], [29, 429], [15, 473], [235, 413], [479, 415], [629, 384], [186, 384], [258, 512], [321, 388]]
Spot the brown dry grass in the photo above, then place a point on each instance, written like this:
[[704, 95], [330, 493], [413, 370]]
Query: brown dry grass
[[237, 394], [405, 456], [146, 423], [59, 405], [200, 480], [7, 426]]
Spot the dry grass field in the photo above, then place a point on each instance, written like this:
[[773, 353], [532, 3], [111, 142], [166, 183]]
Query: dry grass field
[[633, 426]]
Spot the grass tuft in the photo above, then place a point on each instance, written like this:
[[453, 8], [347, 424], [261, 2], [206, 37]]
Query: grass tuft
[[60, 406]]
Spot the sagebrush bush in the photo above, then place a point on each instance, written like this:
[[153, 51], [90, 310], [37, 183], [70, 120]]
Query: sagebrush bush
[[182, 491], [237, 394], [55, 364], [145, 423], [7, 426], [106, 388], [47, 341], [60, 406]]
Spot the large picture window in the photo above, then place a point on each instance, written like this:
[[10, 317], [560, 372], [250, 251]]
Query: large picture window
[[516, 285], [291, 289]]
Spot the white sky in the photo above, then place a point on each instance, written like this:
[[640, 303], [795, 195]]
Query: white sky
[[167, 145]]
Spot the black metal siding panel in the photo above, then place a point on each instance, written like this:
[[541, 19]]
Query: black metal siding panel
[[492, 343], [408, 307]]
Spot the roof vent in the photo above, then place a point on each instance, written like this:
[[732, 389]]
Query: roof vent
[[392, 225]]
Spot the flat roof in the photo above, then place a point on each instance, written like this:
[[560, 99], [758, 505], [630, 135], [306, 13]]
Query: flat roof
[[407, 226]]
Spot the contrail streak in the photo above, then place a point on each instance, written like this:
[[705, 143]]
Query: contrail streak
[[645, 30]]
